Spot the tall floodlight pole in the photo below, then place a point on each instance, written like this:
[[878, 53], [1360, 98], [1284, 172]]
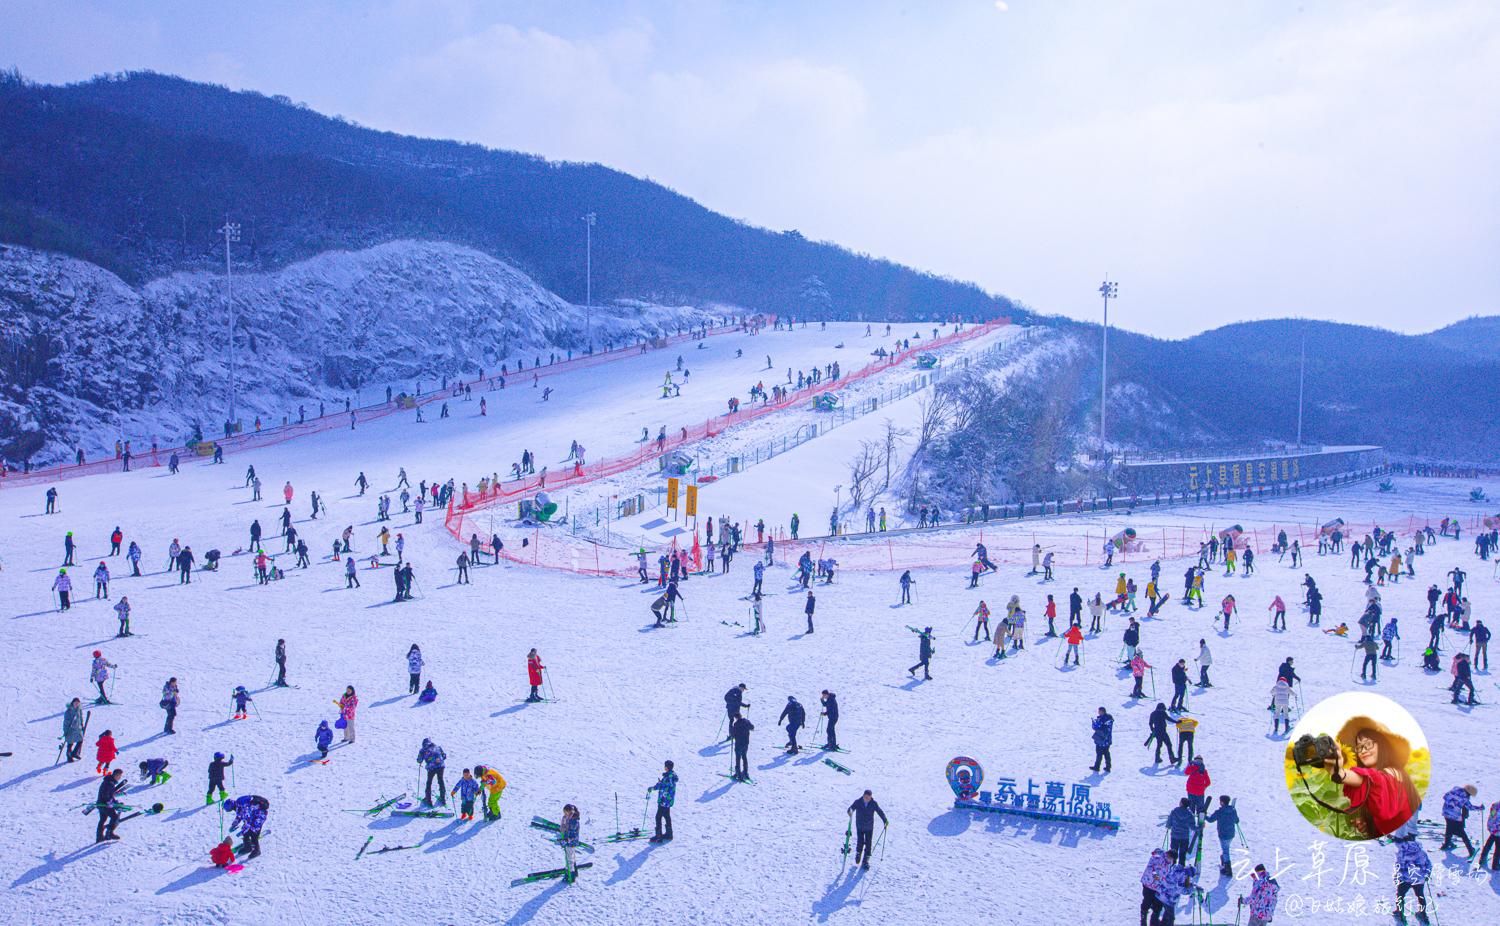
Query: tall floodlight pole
[[231, 233], [1301, 381], [1109, 291], [588, 272]]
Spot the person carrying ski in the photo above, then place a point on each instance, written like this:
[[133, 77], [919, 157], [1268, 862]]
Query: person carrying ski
[[433, 760], [1157, 725], [924, 655], [216, 776], [794, 716], [73, 723], [1104, 737], [863, 812], [534, 669], [107, 805], [666, 796]]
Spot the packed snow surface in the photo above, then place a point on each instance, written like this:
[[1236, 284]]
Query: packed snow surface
[[630, 696]]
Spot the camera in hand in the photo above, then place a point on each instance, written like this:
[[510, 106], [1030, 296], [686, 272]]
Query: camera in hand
[[1314, 750]]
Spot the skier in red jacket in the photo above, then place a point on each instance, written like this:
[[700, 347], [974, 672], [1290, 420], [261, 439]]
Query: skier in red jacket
[[1197, 784], [534, 669]]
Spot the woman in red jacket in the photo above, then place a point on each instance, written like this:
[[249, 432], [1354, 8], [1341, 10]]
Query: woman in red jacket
[[1381, 794], [1197, 784], [107, 751], [534, 669]]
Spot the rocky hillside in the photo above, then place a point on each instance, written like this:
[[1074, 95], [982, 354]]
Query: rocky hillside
[[86, 357]]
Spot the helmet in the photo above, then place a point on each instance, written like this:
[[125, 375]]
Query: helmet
[[97, 654], [62, 572], [218, 756], [229, 804]]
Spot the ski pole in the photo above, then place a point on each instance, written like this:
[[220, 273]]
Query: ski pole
[[645, 810], [721, 727], [617, 812]]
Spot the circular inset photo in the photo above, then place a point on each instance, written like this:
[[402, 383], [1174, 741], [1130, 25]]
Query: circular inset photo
[[1357, 766]]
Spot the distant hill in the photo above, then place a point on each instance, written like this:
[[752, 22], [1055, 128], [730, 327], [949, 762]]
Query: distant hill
[[1476, 337], [134, 172], [1428, 396]]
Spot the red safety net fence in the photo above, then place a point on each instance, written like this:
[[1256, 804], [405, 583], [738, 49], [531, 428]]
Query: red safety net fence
[[266, 437], [946, 548], [474, 502]]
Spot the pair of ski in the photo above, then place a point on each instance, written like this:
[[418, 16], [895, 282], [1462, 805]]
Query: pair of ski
[[627, 836], [543, 823], [380, 806], [548, 875], [383, 849], [746, 779]]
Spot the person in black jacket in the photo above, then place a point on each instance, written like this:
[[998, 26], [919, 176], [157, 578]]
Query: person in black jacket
[[924, 655], [1104, 737], [1157, 723], [280, 664], [863, 810], [1179, 686], [739, 731], [107, 805], [216, 777], [831, 711], [795, 718], [734, 700]]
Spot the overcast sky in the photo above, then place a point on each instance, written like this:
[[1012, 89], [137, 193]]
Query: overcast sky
[[1223, 161]]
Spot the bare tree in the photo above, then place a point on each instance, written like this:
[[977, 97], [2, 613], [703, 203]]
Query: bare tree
[[890, 441], [862, 468]]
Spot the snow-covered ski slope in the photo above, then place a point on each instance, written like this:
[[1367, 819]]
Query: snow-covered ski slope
[[631, 696]]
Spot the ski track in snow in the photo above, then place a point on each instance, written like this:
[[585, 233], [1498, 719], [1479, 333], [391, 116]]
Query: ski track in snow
[[632, 696]]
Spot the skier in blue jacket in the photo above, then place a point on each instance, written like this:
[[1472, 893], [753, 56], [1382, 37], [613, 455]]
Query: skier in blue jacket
[[666, 796], [250, 813]]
